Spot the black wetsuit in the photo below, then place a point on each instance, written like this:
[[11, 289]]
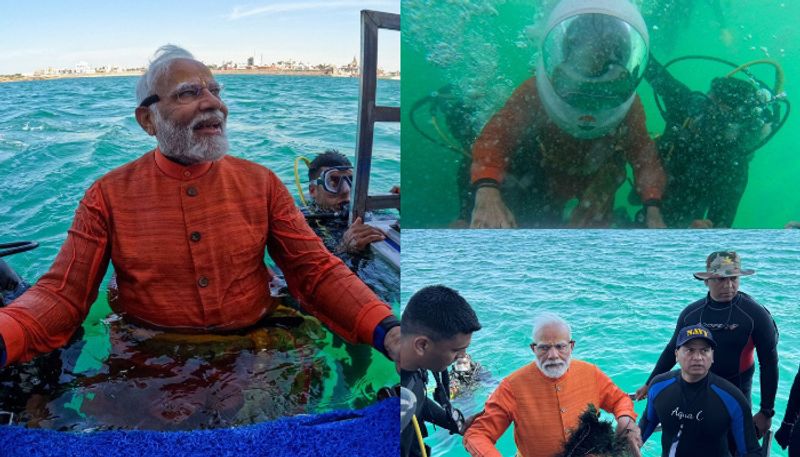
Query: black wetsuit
[[696, 417], [791, 416], [706, 174], [426, 410], [739, 327]]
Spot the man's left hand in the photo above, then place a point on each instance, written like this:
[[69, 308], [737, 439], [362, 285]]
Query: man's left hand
[[627, 426], [359, 235], [391, 342], [762, 423], [653, 218]]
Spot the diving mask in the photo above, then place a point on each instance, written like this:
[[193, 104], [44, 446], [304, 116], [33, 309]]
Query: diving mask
[[336, 180]]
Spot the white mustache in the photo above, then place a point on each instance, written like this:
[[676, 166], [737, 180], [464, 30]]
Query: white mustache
[[215, 116]]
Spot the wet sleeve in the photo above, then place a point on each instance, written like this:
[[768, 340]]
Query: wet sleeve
[[434, 413], [765, 338], [612, 399], [667, 359], [641, 153], [46, 315], [324, 285], [504, 133], [673, 93], [793, 407], [498, 414], [649, 420]]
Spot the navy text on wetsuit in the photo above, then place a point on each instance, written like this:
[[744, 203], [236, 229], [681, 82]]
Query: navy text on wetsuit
[[739, 328], [696, 417]]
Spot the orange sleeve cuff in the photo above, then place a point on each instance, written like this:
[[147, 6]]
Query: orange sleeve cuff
[[479, 172], [651, 193], [370, 317], [13, 336]]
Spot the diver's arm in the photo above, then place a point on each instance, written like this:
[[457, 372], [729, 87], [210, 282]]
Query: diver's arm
[[640, 151], [433, 412], [784, 433], [674, 93], [743, 432], [667, 359], [46, 315], [723, 212], [765, 339]]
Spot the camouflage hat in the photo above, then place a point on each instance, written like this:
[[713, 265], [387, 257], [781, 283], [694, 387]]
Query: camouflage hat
[[723, 264]]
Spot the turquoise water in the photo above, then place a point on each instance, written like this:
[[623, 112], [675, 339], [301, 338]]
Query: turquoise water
[[461, 61], [57, 137], [620, 290]]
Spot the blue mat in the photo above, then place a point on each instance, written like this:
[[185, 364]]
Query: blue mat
[[372, 431]]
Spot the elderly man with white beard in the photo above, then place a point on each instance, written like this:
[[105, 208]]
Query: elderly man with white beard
[[545, 399], [186, 228]]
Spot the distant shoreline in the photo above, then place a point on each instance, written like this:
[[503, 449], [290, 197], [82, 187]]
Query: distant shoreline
[[21, 78]]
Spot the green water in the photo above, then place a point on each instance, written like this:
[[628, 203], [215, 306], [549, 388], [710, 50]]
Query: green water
[[463, 59], [57, 137], [621, 291]]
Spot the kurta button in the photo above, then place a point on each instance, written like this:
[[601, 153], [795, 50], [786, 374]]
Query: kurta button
[[192, 191], [187, 173], [195, 236], [558, 388], [563, 410], [202, 282]]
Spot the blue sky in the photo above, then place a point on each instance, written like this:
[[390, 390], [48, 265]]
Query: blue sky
[[35, 34]]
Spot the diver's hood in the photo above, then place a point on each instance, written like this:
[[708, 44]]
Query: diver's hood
[[588, 96]]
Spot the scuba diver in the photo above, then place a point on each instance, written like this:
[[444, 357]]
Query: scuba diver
[[436, 328], [463, 376], [710, 139], [330, 177], [567, 133]]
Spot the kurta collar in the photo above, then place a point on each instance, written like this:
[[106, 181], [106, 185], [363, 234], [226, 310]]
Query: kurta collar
[[178, 171]]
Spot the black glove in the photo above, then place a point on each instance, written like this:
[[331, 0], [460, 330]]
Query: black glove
[[784, 435]]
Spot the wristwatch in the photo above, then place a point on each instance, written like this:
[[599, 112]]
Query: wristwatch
[[769, 413]]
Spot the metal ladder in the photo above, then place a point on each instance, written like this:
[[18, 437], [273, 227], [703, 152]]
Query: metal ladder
[[368, 114]]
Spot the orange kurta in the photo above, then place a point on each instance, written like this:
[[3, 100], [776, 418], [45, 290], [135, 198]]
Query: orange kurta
[[543, 410], [187, 244], [523, 116]]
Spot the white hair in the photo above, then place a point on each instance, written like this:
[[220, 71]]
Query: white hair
[[159, 64], [545, 319]]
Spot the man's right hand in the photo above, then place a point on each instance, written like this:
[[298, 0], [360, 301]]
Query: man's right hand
[[359, 235], [490, 211], [641, 392]]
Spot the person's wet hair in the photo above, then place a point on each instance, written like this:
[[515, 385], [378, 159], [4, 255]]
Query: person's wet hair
[[439, 313], [329, 158]]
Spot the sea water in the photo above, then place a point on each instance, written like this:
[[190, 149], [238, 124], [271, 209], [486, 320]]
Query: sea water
[[463, 59], [621, 291], [59, 136]]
